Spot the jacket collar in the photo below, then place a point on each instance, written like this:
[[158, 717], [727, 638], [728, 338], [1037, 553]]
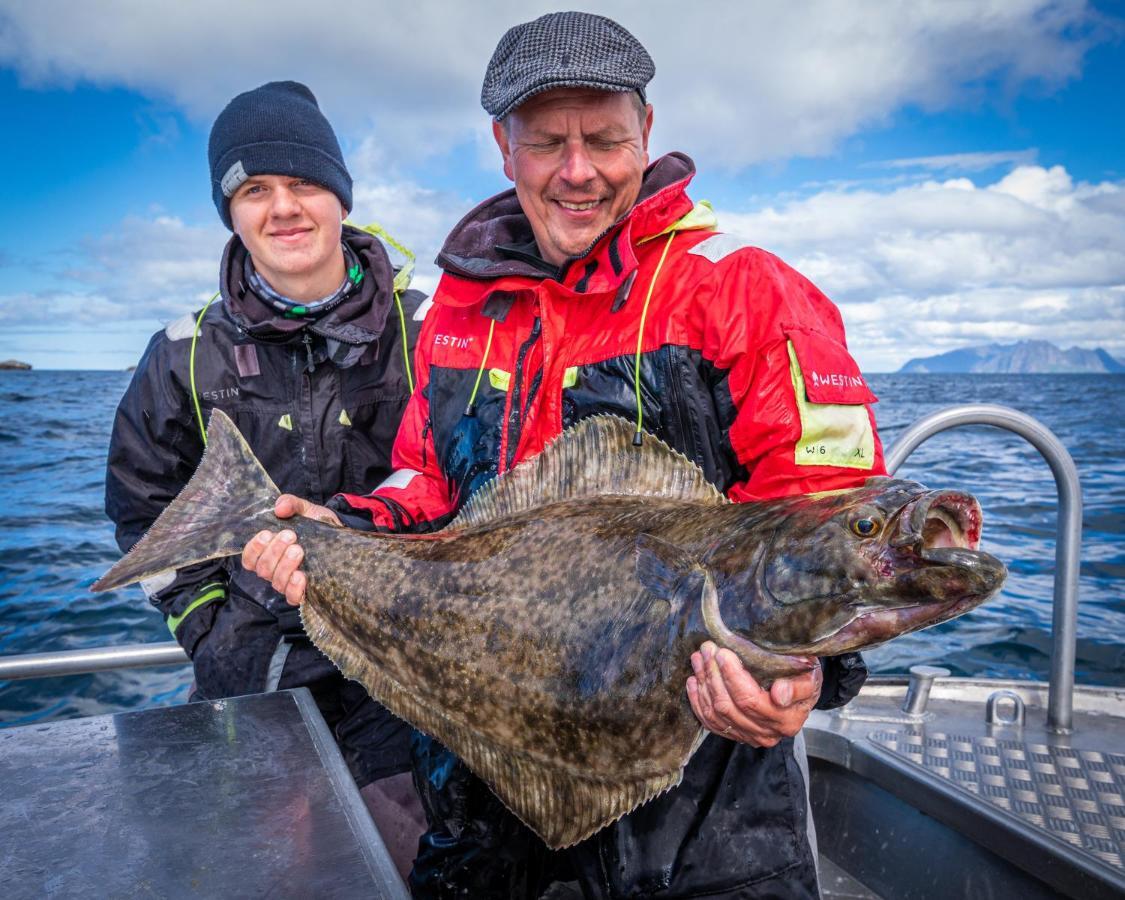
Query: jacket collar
[[360, 319], [470, 250]]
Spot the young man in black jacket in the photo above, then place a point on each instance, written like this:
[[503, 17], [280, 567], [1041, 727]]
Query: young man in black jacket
[[306, 346]]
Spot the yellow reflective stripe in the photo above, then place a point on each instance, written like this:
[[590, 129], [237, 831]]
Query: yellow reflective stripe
[[701, 218], [401, 283], [480, 371], [191, 370], [570, 377], [499, 379], [641, 334], [213, 591], [832, 434], [286, 422], [405, 350]]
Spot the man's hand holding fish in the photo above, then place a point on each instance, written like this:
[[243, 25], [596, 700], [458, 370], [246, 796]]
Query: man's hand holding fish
[[277, 557], [728, 700]]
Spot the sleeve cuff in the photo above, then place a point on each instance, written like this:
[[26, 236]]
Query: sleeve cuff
[[198, 617], [349, 516], [843, 677]]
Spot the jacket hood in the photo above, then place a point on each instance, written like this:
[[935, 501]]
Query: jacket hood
[[470, 250], [360, 319]]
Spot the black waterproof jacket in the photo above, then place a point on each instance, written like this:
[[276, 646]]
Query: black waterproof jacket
[[319, 404]]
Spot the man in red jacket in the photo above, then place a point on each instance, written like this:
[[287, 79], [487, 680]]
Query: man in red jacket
[[597, 286]]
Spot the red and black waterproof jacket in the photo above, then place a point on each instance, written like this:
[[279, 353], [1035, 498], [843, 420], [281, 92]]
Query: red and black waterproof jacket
[[743, 367]]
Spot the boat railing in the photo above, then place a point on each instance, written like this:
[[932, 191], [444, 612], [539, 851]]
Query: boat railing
[[1068, 542], [95, 659], [1060, 705]]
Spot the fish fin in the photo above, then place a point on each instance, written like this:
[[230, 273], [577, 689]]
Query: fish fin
[[662, 567], [594, 458], [668, 576], [561, 806], [228, 500]]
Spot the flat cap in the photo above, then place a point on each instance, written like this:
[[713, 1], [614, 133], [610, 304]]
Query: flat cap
[[563, 49]]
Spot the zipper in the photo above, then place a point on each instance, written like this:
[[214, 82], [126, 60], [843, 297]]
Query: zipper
[[514, 417], [308, 350], [532, 390], [425, 443], [312, 454], [564, 269], [676, 394]]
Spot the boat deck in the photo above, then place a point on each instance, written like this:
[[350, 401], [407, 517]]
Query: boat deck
[[246, 797], [1043, 810], [836, 884]]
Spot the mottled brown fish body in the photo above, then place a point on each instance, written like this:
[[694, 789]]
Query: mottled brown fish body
[[535, 633], [545, 636]]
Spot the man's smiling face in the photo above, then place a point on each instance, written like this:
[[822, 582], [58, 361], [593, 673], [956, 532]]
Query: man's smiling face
[[577, 157]]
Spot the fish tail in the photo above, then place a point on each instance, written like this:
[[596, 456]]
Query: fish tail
[[228, 500]]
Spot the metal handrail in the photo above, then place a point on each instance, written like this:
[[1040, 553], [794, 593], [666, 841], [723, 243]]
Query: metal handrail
[[1068, 543], [95, 659]]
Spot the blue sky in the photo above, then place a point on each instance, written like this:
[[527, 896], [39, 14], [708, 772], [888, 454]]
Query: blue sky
[[951, 174]]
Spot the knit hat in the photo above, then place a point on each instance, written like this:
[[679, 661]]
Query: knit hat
[[276, 129], [563, 49]]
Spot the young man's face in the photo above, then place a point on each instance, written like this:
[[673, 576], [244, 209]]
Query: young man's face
[[576, 157], [292, 228]]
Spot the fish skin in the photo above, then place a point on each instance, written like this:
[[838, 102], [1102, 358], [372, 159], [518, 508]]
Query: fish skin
[[545, 636], [554, 650]]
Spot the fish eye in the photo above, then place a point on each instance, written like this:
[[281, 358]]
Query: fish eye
[[867, 526]]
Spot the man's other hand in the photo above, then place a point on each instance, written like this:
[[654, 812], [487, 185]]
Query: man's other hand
[[728, 700], [276, 556]]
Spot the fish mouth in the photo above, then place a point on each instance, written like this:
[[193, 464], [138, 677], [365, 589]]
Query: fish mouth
[[949, 577], [941, 530], [875, 627], [937, 521]]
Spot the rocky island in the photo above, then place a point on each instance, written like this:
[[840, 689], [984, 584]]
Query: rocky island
[[1023, 358], [14, 364]]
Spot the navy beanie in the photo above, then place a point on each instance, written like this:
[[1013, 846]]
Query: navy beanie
[[276, 129]]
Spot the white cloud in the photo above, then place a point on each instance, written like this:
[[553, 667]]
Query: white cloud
[[933, 266], [29, 312], [157, 267], [415, 216], [917, 266], [737, 82], [123, 285], [961, 162]]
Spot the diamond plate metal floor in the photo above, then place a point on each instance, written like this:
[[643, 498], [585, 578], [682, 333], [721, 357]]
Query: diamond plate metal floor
[[1076, 796]]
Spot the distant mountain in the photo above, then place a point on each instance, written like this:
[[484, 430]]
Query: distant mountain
[[14, 364], [1024, 358]]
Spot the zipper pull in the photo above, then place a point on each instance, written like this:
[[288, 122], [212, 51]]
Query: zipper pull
[[308, 351]]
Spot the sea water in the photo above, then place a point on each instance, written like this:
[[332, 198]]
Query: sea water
[[55, 539]]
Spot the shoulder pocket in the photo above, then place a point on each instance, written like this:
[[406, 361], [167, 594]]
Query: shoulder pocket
[[831, 399]]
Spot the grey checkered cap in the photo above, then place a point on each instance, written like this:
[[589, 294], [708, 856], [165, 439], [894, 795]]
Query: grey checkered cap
[[563, 49]]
